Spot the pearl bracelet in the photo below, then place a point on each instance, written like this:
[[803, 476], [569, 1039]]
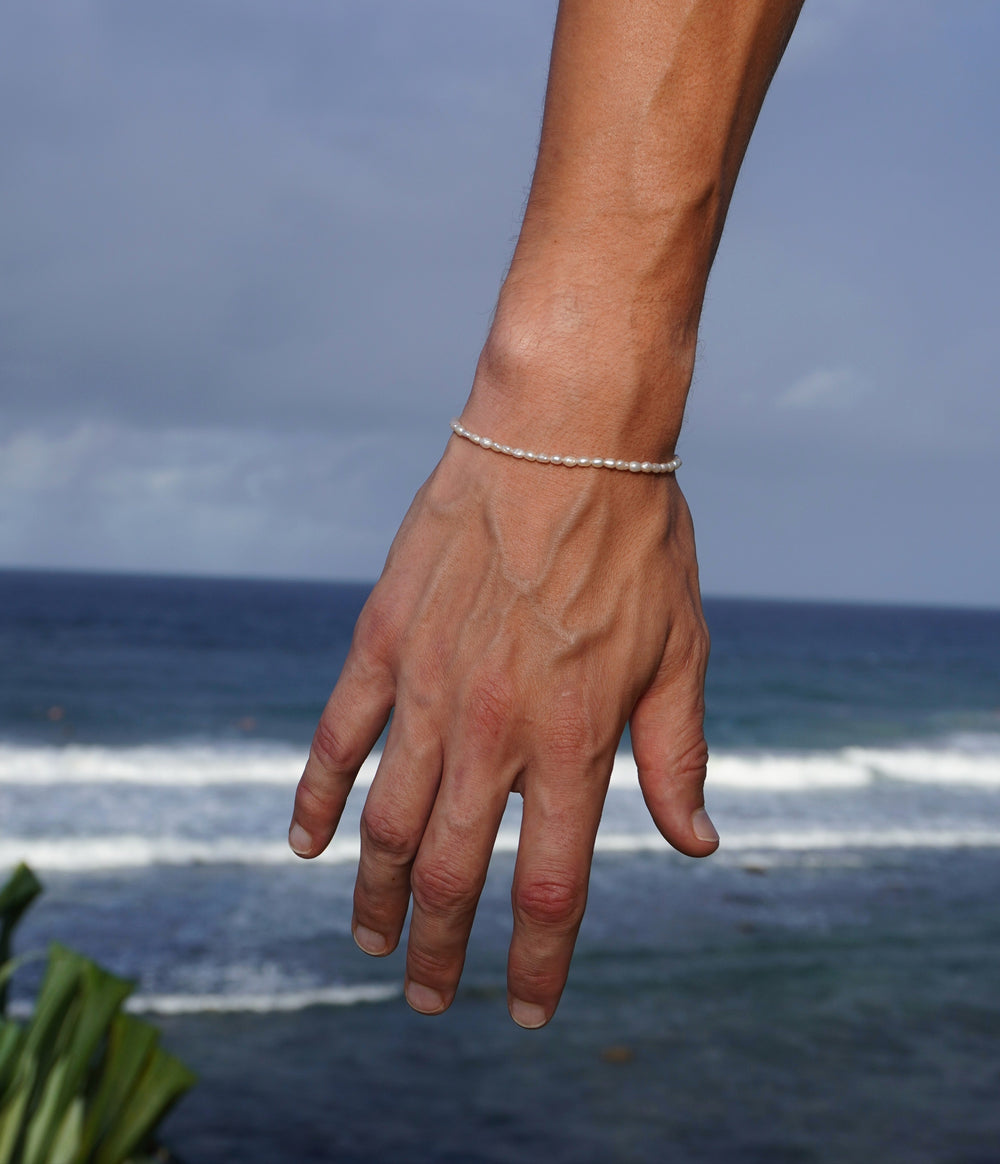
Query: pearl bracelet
[[548, 459]]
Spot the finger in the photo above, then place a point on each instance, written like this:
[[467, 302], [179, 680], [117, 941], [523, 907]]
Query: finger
[[355, 714], [668, 742], [448, 876], [393, 821], [549, 893]]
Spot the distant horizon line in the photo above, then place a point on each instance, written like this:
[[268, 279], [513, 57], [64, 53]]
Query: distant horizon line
[[312, 580]]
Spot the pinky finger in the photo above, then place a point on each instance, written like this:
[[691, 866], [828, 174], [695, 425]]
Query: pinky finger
[[355, 714]]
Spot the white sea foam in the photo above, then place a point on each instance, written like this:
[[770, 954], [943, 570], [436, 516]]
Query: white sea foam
[[812, 838], [96, 854], [958, 760], [942, 766], [846, 768], [272, 1003], [158, 765], [171, 1004], [767, 772], [87, 854]]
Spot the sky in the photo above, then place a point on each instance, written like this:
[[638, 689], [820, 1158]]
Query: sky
[[249, 252]]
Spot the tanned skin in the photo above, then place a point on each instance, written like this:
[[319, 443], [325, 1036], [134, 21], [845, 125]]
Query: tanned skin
[[527, 612]]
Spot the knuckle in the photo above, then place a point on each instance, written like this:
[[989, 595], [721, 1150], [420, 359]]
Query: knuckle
[[419, 743], [688, 648], [439, 890], [333, 749], [315, 801], [570, 734], [536, 981], [551, 901], [706, 638], [433, 967], [680, 772], [690, 760], [490, 705], [379, 910], [376, 632], [681, 767], [425, 672], [384, 832], [697, 644]]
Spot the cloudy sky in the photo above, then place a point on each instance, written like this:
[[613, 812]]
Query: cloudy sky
[[249, 249]]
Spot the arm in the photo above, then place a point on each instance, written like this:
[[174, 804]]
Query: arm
[[527, 611]]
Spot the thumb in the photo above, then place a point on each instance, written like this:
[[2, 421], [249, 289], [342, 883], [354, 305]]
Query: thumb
[[668, 742]]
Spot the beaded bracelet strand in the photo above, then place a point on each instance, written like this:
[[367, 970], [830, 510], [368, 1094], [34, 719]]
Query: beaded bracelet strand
[[570, 462]]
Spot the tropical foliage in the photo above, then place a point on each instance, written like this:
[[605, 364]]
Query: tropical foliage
[[81, 1082]]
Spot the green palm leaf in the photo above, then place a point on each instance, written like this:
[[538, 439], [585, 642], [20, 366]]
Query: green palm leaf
[[82, 1083]]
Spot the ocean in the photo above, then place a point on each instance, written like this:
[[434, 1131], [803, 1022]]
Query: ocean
[[824, 988]]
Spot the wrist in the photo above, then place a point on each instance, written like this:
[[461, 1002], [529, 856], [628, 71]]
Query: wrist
[[577, 363]]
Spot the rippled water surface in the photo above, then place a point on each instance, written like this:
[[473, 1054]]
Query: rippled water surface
[[823, 989]]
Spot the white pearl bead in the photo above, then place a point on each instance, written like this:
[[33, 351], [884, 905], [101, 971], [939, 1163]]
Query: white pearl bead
[[570, 462]]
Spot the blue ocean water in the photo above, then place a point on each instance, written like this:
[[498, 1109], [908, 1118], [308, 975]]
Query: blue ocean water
[[823, 989]]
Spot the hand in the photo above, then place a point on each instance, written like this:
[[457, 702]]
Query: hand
[[526, 612]]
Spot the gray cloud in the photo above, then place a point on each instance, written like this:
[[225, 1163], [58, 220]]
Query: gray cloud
[[249, 250], [208, 500], [255, 212]]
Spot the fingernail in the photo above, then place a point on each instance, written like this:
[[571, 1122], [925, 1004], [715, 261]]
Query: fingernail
[[369, 941], [424, 999], [299, 840], [528, 1014], [702, 827]]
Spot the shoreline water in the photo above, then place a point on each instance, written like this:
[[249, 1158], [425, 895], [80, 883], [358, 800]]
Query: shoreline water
[[822, 989], [705, 1032]]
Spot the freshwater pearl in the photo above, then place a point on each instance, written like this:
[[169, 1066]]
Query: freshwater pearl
[[570, 462]]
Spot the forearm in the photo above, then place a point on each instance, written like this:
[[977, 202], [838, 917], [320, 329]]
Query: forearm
[[528, 611], [648, 114]]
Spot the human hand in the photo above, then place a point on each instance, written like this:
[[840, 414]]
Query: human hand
[[526, 613]]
